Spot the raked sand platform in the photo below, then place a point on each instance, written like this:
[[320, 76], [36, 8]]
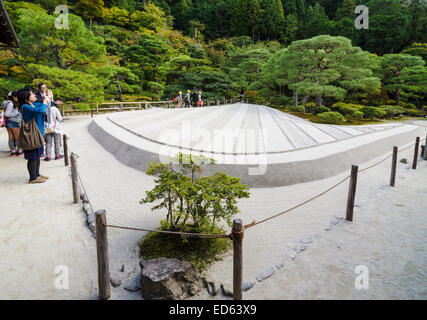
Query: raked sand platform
[[261, 145]]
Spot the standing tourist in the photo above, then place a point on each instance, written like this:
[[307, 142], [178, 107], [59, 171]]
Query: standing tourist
[[195, 98], [187, 99], [200, 101], [31, 109], [178, 100], [53, 133], [13, 122]]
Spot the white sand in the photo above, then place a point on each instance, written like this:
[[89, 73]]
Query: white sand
[[41, 228]]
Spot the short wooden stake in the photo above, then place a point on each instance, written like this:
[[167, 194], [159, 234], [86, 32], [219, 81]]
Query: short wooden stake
[[417, 145], [425, 149], [74, 178], [66, 161], [237, 233], [393, 167], [102, 255], [352, 193]]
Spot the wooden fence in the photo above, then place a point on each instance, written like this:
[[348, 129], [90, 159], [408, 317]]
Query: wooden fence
[[108, 107]]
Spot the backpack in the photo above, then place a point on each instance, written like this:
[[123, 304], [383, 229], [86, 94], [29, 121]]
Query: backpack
[[176, 99]]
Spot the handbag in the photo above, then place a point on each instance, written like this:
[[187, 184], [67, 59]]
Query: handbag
[[30, 137]]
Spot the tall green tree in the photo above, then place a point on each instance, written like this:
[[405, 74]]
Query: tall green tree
[[389, 27], [396, 64], [245, 17], [41, 42], [326, 66], [272, 19], [316, 22], [418, 12]]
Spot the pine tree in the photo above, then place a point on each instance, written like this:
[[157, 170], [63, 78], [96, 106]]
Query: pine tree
[[273, 19], [246, 15], [346, 10]]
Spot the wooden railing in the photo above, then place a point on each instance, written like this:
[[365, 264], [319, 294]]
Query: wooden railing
[[108, 107]]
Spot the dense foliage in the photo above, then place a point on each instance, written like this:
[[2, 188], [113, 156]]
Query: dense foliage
[[193, 204], [279, 52]]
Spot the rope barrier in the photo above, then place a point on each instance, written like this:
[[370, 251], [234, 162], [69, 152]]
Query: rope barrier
[[186, 234], [254, 223]]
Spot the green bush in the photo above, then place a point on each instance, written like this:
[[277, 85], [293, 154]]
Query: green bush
[[414, 112], [257, 85], [348, 109], [296, 108], [358, 114], [190, 201], [200, 252], [331, 117], [283, 101], [309, 107], [320, 109], [83, 106], [373, 112], [392, 111]]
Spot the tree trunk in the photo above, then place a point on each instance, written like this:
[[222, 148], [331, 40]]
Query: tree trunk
[[305, 99], [319, 100], [119, 89], [295, 98], [397, 96]]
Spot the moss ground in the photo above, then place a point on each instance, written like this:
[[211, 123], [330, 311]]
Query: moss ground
[[201, 252]]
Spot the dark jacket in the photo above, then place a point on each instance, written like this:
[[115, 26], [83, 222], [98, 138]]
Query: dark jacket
[[195, 97]]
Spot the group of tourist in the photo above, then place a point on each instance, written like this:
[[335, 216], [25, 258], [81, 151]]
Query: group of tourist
[[196, 98], [17, 110]]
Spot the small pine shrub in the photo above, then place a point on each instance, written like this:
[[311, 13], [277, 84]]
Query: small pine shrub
[[320, 109], [332, 117], [296, 108]]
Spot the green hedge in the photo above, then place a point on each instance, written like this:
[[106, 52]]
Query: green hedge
[[332, 117]]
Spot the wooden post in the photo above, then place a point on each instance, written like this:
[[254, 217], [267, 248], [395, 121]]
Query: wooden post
[[146, 105], [169, 105], [352, 193], [208, 103], [91, 112], [393, 167], [237, 233], [425, 149], [66, 162], [74, 178], [97, 108], [417, 145], [102, 255]]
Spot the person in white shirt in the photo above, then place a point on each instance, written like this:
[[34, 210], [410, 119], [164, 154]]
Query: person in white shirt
[[53, 131]]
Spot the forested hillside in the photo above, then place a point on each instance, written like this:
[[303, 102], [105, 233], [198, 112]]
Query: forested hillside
[[304, 53]]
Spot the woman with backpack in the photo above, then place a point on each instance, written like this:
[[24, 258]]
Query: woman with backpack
[[13, 122], [33, 110]]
